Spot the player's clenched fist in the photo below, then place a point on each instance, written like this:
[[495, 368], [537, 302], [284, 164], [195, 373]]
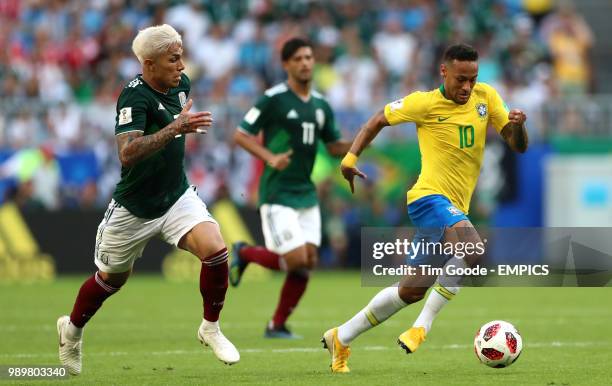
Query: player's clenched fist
[[280, 161], [517, 116]]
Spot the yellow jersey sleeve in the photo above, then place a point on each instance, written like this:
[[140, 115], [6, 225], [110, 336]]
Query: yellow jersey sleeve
[[411, 108], [498, 109]]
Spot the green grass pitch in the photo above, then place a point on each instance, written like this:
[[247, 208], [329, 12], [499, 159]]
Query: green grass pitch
[[146, 335]]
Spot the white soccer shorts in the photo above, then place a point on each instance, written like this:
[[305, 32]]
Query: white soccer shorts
[[287, 228], [122, 237]]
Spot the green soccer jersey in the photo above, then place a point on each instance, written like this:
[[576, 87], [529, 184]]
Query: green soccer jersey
[[289, 122], [150, 187]]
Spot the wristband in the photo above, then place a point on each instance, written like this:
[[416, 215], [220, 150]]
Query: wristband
[[350, 160]]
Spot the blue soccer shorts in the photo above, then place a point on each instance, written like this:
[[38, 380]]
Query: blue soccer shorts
[[431, 215]]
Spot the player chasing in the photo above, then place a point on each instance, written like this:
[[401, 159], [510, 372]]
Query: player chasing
[[293, 118], [153, 197], [451, 128]]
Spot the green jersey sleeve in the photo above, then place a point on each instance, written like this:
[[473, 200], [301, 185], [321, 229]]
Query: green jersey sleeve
[[256, 118], [131, 111], [330, 132]]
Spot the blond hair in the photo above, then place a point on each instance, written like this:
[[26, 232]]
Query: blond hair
[[153, 41]]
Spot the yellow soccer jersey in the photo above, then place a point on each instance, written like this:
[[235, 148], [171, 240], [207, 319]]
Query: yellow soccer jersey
[[451, 139]]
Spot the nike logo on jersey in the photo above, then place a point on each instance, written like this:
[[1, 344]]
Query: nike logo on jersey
[[442, 119], [292, 114], [161, 107]]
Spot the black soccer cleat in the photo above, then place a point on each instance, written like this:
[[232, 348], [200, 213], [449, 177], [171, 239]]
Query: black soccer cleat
[[237, 266], [279, 332]]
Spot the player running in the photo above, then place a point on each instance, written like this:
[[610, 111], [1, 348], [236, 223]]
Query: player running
[[293, 118], [153, 197], [451, 128]]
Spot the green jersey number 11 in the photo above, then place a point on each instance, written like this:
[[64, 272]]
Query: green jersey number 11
[[308, 135]]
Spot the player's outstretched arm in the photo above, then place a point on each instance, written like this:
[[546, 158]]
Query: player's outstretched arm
[[134, 147], [248, 143], [514, 133], [338, 148], [366, 134]]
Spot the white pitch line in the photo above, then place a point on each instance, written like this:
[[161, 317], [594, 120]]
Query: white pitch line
[[455, 346], [19, 328]]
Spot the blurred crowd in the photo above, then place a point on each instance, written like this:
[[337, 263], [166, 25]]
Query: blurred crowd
[[64, 62]]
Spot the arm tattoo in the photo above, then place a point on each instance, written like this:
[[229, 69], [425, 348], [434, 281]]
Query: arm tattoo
[[134, 147], [183, 122]]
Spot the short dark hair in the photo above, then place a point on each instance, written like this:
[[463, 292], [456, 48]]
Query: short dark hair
[[461, 52], [291, 46]]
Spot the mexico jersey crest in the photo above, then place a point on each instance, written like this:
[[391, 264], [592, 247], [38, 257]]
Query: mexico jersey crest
[[320, 117], [182, 98], [481, 108]]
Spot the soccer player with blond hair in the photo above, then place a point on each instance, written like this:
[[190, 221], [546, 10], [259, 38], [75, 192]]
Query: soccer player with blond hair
[[451, 122], [153, 197]]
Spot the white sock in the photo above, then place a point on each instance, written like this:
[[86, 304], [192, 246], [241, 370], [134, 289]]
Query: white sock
[[207, 326], [437, 299], [73, 332], [444, 290], [452, 281], [386, 303]]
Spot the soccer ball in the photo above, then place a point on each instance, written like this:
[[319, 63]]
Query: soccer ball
[[498, 344]]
